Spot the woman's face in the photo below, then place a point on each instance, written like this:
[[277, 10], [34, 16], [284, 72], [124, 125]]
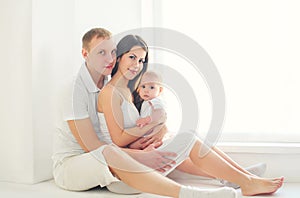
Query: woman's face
[[101, 57], [131, 63]]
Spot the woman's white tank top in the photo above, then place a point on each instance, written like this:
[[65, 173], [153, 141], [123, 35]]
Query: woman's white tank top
[[130, 115]]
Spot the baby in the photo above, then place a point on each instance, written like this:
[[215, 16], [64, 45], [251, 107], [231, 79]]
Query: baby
[[153, 107]]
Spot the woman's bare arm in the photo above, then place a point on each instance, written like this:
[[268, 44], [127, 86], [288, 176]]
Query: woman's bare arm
[[85, 135], [109, 103]]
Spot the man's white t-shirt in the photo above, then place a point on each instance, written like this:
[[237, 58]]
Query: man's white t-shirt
[[79, 101]]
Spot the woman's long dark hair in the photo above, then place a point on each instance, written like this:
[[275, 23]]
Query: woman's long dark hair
[[124, 46]]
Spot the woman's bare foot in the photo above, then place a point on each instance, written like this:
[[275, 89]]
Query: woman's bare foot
[[257, 186]]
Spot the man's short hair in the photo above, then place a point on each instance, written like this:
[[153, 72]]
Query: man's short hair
[[95, 32]]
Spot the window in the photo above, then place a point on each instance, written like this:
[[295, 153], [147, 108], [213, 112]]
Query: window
[[255, 46]]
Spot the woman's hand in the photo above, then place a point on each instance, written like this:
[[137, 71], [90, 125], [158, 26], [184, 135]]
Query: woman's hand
[[160, 161], [142, 143], [155, 138]]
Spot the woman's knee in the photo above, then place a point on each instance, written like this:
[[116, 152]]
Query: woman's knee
[[110, 150], [199, 151], [114, 154]]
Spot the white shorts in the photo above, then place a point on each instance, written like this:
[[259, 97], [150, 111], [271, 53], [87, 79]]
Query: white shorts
[[83, 172], [182, 145]]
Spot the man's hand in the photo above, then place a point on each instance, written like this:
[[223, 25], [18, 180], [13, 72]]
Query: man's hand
[[160, 161]]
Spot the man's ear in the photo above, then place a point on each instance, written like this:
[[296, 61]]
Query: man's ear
[[84, 53]]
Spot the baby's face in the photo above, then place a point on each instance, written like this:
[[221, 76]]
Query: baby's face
[[149, 91]]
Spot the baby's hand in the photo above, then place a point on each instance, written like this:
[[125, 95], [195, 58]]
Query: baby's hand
[[143, 121]]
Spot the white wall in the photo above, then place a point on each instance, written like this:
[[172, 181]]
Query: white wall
[[41, 47], [280, 161], [52, 51], [16, 142]]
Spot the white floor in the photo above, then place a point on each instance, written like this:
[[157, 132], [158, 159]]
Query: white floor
[[49, 189]]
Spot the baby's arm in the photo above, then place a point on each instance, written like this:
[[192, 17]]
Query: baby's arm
[[155, 116], [157, 112], [143, 121]]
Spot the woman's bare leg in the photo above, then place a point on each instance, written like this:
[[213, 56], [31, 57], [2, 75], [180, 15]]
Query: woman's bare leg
[[217, 166], [149, 182], [188, 166], [137, 175], [230, 161], [144, 179]]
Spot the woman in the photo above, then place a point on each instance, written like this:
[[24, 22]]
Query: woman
[[116, 104], [82, 160]]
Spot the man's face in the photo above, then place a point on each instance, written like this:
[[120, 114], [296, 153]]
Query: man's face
[[101, 56]]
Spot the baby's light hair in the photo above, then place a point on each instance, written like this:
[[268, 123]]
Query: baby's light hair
[[151, 77]]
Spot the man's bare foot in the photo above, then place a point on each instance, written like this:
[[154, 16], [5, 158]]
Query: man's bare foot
[[257, 186]]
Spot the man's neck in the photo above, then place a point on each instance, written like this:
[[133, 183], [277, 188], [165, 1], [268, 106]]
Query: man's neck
[[98, 79], [100, 83]]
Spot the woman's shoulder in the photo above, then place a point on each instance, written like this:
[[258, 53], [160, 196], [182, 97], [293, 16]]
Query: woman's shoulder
[[108, 96], [108, 88], [109, 91]]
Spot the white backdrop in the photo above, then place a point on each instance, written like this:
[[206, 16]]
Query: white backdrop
[[41, 47], [255, 45]]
